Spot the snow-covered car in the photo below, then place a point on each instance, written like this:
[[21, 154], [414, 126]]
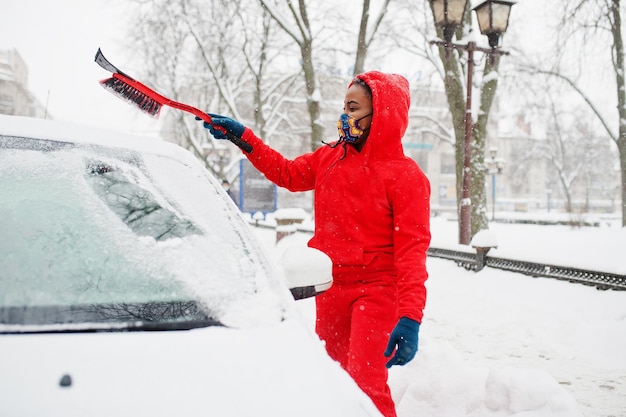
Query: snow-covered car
[[130, 284]]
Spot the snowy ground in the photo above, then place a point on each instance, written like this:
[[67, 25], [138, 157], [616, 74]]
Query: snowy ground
[[495, 343]]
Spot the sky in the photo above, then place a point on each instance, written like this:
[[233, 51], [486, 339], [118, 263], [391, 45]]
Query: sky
[[500, 344]]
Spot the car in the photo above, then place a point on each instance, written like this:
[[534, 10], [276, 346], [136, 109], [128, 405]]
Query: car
[[130, 284]]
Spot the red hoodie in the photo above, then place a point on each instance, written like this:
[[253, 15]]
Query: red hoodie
[[372, 208]]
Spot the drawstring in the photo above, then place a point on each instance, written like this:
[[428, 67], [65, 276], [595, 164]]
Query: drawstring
[[341, 142]]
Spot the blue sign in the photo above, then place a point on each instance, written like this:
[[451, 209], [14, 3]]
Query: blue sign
[[256, 193]]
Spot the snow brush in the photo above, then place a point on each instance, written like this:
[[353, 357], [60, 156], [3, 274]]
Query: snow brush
[[149, 101]]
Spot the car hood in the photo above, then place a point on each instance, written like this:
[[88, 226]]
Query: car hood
[[277, 370]]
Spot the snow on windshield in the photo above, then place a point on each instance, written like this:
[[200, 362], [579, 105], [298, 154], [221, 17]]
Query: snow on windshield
[[81, 224]]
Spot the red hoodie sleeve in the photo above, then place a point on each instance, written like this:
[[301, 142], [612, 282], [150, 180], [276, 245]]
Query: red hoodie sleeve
[[295, 175]]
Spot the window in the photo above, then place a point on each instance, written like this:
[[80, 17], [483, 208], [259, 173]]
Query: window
[[448, 164]]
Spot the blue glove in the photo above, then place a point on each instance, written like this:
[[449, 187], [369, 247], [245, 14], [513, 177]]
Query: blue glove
[[405, 336], [231, 126]]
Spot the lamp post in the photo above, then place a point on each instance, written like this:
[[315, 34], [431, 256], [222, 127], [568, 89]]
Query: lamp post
[[493, 19], [494, 167]]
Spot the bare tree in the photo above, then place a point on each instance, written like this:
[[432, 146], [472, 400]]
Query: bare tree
[[227, 68], [295, 20], [298, 27], [570, 148], [162, 65], [589, 26], [365, 39]]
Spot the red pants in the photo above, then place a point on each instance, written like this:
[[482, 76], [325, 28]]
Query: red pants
[[355, 320]]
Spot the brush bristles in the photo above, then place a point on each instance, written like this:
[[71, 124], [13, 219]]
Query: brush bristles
[[133, 96]]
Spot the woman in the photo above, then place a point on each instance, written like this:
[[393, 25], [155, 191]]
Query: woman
[[372, 219]]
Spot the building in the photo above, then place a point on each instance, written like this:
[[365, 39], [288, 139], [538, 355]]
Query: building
[[15, 99]]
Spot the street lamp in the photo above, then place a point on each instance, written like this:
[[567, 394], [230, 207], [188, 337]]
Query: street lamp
[[493, 18], [448, 14], [494, 167]]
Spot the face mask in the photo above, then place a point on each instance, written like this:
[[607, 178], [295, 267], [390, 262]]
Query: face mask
[[349, 129]]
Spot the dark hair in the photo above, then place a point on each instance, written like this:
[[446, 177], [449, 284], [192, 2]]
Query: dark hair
[[368, 90]]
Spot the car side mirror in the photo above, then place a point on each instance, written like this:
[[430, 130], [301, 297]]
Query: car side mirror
[[308, 271]]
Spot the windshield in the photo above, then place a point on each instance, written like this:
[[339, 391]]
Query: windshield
[[104, 235]]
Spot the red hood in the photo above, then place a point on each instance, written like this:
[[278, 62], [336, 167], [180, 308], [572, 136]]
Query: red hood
[[391, 100]]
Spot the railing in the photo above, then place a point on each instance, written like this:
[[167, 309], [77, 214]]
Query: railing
[[476, 261]]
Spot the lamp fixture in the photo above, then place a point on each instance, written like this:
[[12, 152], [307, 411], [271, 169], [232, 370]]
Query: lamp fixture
[[448, 15], [493, 18]]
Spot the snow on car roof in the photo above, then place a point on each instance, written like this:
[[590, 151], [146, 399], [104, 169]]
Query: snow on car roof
[[62, 131]]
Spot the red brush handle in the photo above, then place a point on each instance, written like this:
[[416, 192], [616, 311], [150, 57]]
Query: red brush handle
[[181, 106]]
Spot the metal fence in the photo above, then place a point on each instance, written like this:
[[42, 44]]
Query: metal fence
[[476, 261]]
